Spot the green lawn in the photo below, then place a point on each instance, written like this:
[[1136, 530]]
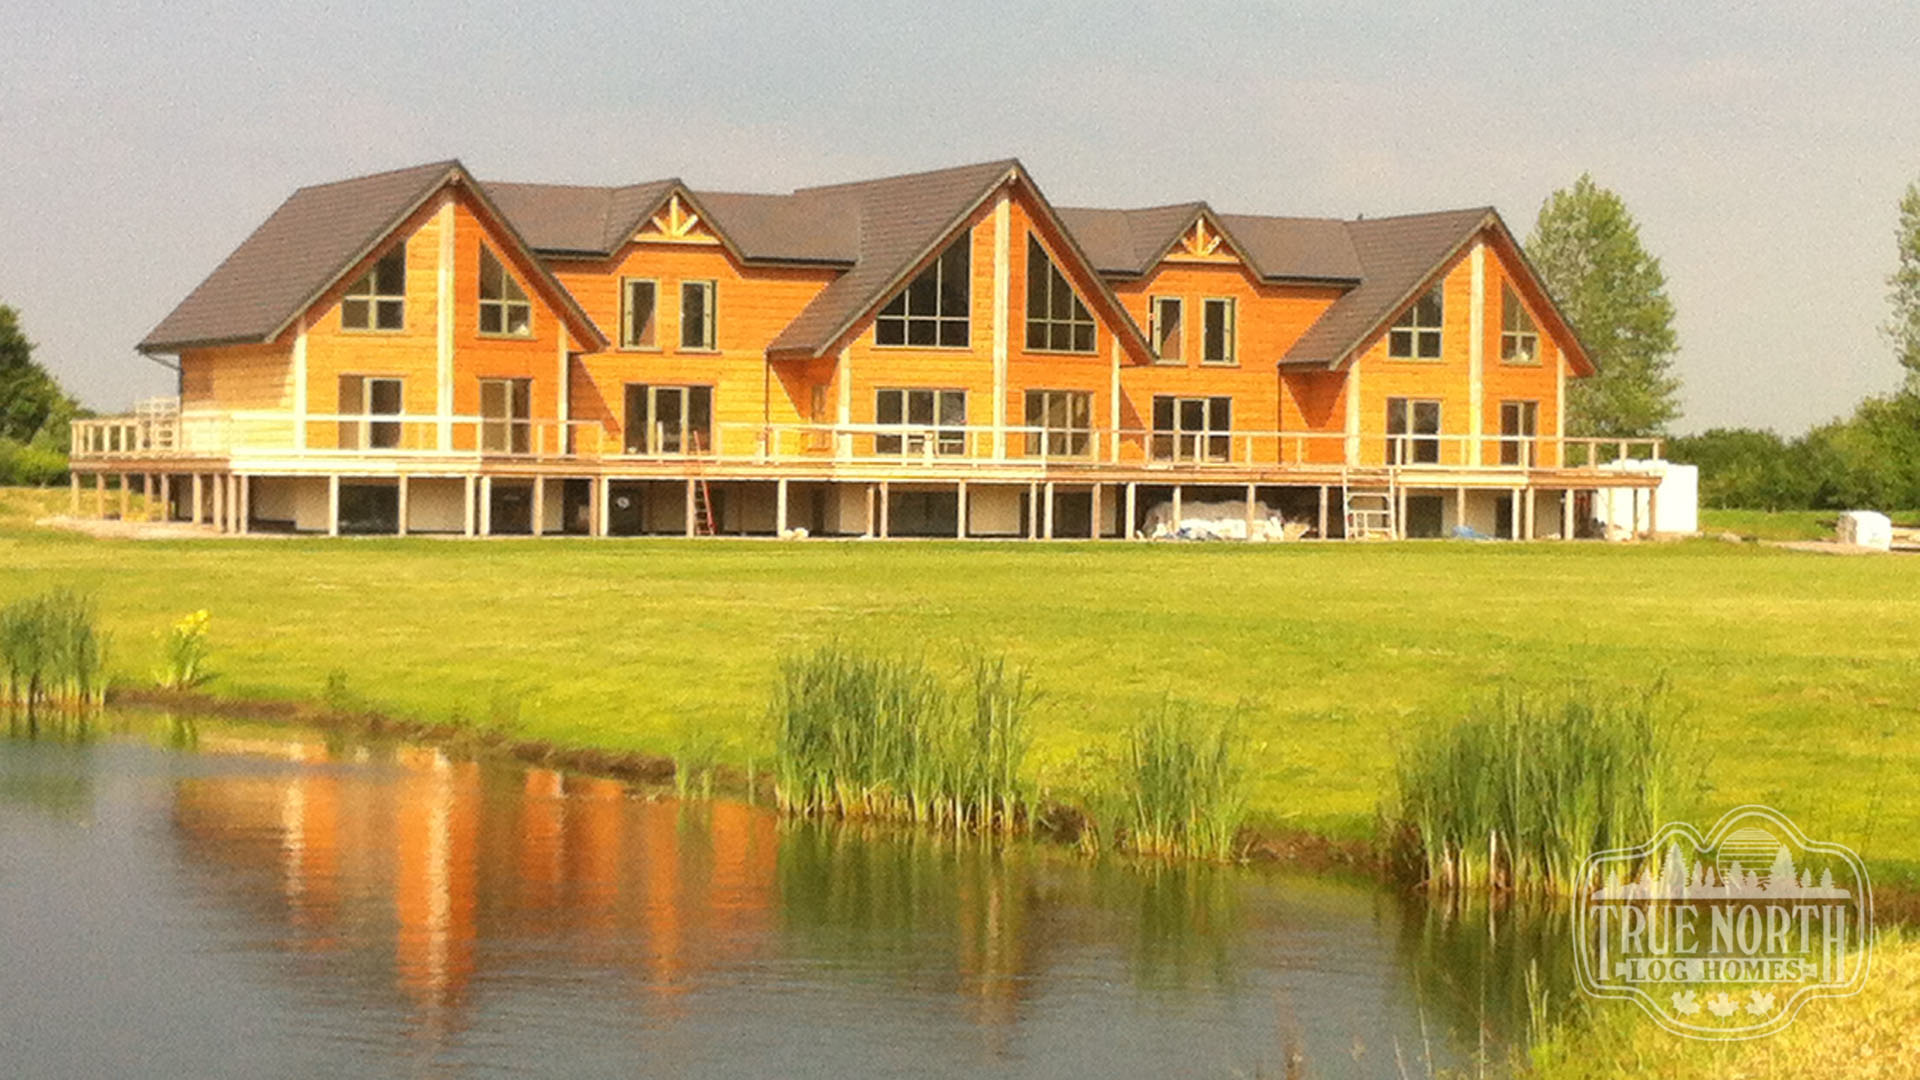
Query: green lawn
[[1800, 672]]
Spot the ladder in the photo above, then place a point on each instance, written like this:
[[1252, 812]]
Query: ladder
[[703, 519], [1370, 498]]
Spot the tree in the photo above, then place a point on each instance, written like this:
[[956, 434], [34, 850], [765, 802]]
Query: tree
[[30, 401], [1904, 328], [1587, 247]]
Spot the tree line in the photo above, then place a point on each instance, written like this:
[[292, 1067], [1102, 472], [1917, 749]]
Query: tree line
[[34, 411]]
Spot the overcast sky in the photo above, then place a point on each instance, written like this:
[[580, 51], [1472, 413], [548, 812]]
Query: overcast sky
[[1763, 148]]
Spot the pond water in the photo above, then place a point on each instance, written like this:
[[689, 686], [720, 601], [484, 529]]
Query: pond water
[[272, 905]]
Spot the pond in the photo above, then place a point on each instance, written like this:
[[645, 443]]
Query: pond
[[275, 903]]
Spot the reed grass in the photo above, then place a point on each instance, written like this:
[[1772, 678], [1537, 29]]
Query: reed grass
[[858, 734], [51, 653], [1184, 783], [1518, 793]]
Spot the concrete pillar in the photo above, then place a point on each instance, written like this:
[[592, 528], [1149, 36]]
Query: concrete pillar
[[1176, 506], [1513, 515], [100, 495], [1033, 511], [1532, 533], [1322, 533], [486, 506], [73, 492], [1252, 496], [886, 511], [400, 521], [1133, 505], [244, 522], [780, 507], [126, 497], [1093, 502], [539, 506], [1566, 514], [1653, 512], [871, 520], [467, 508], [1048, 516], [219, 503], [603, 509], [198, 500], [960, 511], [1400, 513], [150, 487], [166, 497], [333, 504], [1459, 506], [690, 508]]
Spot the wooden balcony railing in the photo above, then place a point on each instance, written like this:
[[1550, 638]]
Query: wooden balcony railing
[[240, 436]]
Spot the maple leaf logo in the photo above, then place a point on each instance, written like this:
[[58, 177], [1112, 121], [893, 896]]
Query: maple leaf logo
[[1721, 1005], [1685, 1003], [1762, 1003]]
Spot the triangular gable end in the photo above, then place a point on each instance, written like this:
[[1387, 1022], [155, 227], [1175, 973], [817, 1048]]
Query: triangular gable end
[[676, 221], [1091, 287], [528, 266], [1204, 241]]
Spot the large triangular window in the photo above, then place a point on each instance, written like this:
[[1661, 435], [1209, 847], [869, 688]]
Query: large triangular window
[[934, 309], [1056, 319]]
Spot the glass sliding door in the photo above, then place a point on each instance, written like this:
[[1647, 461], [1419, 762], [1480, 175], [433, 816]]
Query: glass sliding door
[[669, 419]]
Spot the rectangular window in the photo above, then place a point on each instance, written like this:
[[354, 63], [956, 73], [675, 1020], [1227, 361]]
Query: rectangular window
[[1056, 319], [378, 301], [696, 315], [506, 415], [669, 419], [1066, 417], [934, 310], [1519, 338], [637, 305], [504, 308], [1217, 339], [1192, 428], [1416, 334], [936, 415], [1168, 331], [1413, 431], [1519, 423], [365, 398]]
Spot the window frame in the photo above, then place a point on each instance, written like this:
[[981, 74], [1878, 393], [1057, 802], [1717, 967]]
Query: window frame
[[1078, 316], [940, 320], [373, 298], [1419, 333], [710, 315], [949, 440], [1180, 329], [516, 427], [650, 394], [1423, 447], [626, 315], [364, 432], [1231, 331], [1520, 448], [1178, 442], [1063, 441], [505, 303], [1509, 335]]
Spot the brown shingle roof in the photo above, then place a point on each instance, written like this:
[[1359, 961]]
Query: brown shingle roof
[[303, 248], [570, 219], [1127, 242], [1295, 249], [1397, 255], [801, 227]]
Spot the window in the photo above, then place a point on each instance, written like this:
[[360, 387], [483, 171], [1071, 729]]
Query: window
[[1416, 334], [637, 313], [366, 397], [934, 309], [1216, 318], [938, 414], [696, 315], [1167, 328], [1413, 432], [506, 411], [378, 301], [1519, 338], [1519, 423], [669, 419], [503, 303], [1056, 319], [1192, 428], [1066, 416]]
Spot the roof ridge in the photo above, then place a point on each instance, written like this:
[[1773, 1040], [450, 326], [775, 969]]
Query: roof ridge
[[1421, 214], [1002, 163], [449, 163]]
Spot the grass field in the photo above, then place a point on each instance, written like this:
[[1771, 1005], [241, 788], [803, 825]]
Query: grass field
[[1799, 673]]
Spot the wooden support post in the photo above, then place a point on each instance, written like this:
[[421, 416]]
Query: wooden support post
[[198, 500], [1400, 512], [1533, 532], [333, 504], [73, 502], [1323, 512], [100, 495], [960, 511], [1133, 505], [871, 520], [1459, 507], [219, 503], [1176, 507], [467, 507], [603, 509], [1653, 511], [149, 487], [692, 494], [126, 497], [539, 506], [244, 518], [1252, 494], [486, 506], [166, 496], [1093, 504], [780, 507], [886, 510], [1513, 515], [1047, 517], [1033, 511], [400, 519], [1566, 514]]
